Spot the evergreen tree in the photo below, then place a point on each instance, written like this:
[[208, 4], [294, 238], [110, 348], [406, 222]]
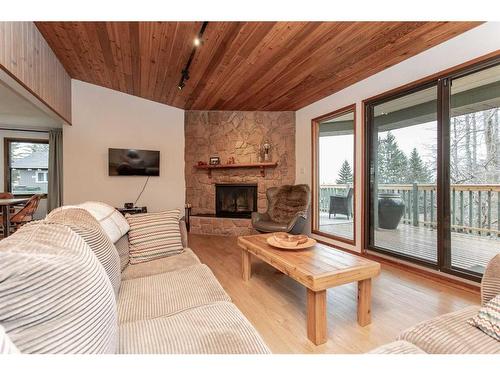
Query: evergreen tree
[[417, 170], [392, 162], [345, 174]]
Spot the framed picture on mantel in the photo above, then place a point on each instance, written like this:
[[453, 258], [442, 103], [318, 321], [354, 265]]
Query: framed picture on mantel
[[214, 160]]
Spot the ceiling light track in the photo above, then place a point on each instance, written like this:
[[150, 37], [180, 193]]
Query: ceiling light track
[[197, 42]]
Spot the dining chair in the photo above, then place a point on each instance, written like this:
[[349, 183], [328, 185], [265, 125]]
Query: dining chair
[[7, 195], [25, 214]]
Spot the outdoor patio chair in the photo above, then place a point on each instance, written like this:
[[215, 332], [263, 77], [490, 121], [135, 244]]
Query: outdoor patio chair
[[341, 204]]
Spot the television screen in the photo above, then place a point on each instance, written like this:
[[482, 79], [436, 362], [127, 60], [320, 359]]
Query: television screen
[[132, 162]]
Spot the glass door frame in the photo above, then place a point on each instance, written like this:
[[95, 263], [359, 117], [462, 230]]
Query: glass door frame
[[443, 82], [315, 122]]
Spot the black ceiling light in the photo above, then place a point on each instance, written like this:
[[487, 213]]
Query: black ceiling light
[[197, 42]]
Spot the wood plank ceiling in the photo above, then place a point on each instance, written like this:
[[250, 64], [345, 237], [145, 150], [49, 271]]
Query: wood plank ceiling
[[241, 65]]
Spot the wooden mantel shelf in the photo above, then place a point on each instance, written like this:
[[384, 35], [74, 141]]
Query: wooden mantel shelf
[[262, 167]]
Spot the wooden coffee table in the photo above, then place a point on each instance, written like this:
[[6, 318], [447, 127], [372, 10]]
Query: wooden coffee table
[[317, 268]]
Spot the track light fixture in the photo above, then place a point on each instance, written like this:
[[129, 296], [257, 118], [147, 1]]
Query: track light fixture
[[197, 42]]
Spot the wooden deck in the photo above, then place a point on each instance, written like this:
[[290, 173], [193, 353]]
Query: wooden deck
[[470, 252]]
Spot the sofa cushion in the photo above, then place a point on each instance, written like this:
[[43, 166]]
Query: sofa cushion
[[6, 345], [173, 263], [84, 224], [55, 296], [154, 235], [168, 293], [451, 334], [488, 318], [122, 246], [218, 328], [397, 347]]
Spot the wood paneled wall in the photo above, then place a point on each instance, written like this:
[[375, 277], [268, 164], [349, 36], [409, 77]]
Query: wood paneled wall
[[26, 56]]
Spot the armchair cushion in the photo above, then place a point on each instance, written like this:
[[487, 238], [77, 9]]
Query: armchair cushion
[[286, 201]]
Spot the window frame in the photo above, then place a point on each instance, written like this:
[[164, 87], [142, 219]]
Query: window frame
[[315, 122], [7, 168], [443, 82], [45, 174]]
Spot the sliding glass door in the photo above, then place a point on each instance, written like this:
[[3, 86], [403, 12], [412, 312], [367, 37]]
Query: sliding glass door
[[433, 171], [403, 179], [474, 160]]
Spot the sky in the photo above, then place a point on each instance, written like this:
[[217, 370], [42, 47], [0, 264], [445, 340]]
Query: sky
[[334, 150]]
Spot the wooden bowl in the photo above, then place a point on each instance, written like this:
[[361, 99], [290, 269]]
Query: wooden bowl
[[290, 245]]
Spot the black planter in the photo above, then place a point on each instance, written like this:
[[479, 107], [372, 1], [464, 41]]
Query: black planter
[[391, 208]]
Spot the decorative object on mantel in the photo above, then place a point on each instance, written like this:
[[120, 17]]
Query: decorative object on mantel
[[231, 160], [214, 160], [262, 167], [266, 148], [201, 163]]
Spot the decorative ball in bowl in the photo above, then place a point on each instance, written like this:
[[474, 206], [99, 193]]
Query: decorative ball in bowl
[[288, 241]]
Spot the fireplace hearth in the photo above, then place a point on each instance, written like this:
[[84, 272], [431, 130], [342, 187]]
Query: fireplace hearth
[[235, 200]]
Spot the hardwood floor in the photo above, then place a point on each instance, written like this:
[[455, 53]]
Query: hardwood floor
[[276, 304]]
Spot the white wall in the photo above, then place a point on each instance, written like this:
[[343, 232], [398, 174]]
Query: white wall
[[467, 46], [104, 118]]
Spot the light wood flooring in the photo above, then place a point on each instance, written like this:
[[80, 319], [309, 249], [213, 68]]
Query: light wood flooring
[[276, 304]]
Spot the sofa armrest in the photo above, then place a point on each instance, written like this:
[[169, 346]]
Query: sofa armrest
[[490, 284], [184, 233]]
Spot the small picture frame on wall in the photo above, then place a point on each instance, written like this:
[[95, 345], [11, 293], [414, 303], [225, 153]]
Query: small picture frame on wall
[[214, 160]]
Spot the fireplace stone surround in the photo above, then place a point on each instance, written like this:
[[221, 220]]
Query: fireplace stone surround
[[238, 135]]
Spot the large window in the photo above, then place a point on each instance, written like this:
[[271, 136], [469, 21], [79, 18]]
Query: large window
[[433, 171], [334, 141], [26, 166]]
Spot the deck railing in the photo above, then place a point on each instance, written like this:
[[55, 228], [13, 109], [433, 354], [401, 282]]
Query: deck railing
[[474, 208]]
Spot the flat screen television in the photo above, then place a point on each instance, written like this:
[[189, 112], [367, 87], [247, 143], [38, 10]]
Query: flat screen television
[[132, 162]]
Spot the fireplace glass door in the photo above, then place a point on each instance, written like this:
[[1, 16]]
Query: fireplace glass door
[[235, 200]]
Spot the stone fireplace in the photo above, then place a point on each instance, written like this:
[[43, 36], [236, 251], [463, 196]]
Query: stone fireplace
[[235, 200], [238, 135]]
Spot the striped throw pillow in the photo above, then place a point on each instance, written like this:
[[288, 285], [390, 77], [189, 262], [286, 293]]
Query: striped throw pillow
[[488, 318], [154, 235]]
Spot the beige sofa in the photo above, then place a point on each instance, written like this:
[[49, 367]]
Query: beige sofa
[[450, 333], [61, 291]]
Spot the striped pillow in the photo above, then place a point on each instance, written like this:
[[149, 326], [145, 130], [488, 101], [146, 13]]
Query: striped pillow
[[113, 222], [154, 235], [488, 318]]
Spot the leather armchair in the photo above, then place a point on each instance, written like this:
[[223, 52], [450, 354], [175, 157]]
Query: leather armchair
[[287, 208]]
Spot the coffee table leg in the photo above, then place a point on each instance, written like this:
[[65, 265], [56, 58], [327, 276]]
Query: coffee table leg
[[246, 265], [364, 302], [316, 316]]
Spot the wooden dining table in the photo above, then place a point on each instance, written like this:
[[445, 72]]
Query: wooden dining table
[[6, 204]]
